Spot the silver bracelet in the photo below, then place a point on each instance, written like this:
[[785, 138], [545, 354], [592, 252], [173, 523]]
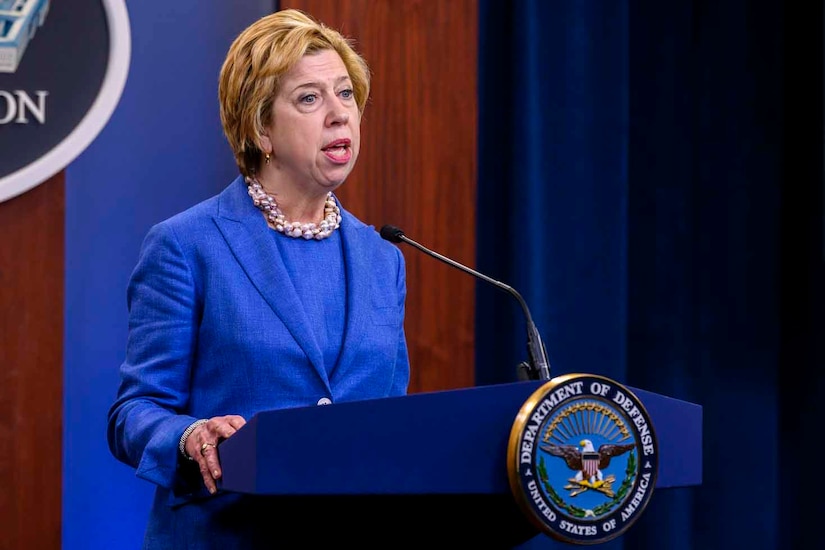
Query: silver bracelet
[[186, 433]]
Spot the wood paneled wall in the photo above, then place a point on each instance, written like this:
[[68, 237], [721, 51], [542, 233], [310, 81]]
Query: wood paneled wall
[[31, 366], [417, 168]]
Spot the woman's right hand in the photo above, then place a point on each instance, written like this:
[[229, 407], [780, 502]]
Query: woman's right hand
[[202, 446]]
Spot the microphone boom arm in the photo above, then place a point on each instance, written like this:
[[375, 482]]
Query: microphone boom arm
[[537, 353]]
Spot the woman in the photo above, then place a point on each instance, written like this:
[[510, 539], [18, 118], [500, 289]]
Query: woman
[[268, 295]]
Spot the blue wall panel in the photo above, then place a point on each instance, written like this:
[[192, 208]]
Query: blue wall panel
[[162, 151]]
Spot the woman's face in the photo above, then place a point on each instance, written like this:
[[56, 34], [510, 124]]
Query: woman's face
[[315, 132]]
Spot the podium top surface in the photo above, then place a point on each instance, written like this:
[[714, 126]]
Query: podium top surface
[[446, 442]]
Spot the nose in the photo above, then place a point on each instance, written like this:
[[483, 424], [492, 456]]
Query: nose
[[337, 116]]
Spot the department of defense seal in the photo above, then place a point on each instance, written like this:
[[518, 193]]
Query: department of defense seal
[[582, 458]]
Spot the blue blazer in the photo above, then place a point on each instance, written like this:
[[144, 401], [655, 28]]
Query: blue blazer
[[216, 328]]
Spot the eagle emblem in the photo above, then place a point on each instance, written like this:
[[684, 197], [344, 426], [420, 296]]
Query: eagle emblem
[[588, 464]]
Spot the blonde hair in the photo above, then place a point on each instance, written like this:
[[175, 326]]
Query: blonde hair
[[256, 61]]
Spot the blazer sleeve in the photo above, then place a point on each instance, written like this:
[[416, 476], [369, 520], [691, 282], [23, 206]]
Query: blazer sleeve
[[146, 420]]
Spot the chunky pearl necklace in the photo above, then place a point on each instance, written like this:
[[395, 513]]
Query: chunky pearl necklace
[[266, 203]]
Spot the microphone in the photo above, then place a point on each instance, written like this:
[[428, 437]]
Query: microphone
[[539, 366]]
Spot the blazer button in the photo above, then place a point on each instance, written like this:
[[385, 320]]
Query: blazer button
[[324, 401]]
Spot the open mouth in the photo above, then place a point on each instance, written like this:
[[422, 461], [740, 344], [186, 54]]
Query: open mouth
[[339, 151]]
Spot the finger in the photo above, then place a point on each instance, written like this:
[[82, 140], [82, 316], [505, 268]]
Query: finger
[[210, 466], [228, 425], [236, 421], [224, 430], [223, 426], [206, 474]]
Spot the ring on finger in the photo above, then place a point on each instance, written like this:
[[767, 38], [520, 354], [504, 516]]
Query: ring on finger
[[204, 447]]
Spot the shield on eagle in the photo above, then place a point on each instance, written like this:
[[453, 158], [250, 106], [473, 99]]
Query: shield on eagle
[[590, 464]]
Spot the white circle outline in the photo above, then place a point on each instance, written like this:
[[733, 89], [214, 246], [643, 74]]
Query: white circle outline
[[117, 69]]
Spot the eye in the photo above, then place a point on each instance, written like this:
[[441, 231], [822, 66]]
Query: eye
[[308, 99], [347, 94]]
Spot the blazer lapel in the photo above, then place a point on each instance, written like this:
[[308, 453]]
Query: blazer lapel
[[250, 239], [359, 301]]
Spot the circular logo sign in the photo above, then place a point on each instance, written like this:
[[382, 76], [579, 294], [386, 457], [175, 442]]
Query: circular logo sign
[[582, 458], [63, 66]]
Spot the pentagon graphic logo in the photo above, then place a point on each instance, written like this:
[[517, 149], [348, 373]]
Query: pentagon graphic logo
[[19, 21], [582, 458]]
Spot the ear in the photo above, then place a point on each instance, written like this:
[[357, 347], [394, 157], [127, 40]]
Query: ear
[[264, 143]]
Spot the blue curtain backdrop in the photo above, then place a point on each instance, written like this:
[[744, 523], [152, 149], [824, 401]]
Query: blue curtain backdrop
[[651, 182]]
